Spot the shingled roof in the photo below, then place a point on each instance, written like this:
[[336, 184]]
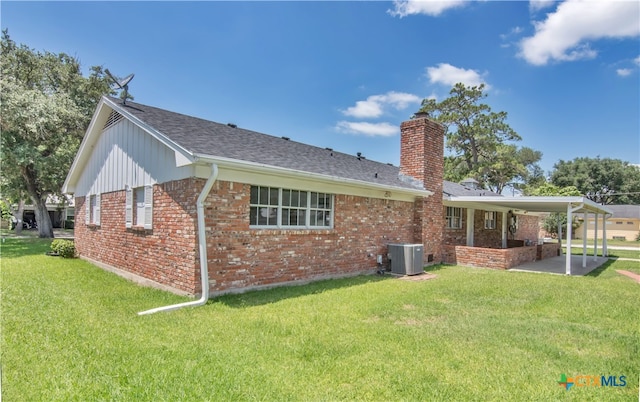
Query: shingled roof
[[216, 140], [454, 189], [625, 211]]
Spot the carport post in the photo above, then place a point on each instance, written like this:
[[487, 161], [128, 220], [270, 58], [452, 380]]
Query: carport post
[[584, 239], [605, 252], [567, 262], [595, 239], [570, 212], [560, 233]]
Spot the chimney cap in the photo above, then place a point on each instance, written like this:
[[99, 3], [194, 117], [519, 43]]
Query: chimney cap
[[421, 115]]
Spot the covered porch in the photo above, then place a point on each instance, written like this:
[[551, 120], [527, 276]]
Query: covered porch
[[531, 251]]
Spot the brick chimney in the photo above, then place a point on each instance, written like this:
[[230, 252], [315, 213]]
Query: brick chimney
[[422, 158]]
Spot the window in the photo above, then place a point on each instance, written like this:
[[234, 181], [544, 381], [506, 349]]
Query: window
[[454, 218], [283, 208], [490, 218], [139, 207], [92, 209], [618, 223], [629, 223]]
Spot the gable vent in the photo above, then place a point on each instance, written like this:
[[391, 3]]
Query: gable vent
[[114, 118]]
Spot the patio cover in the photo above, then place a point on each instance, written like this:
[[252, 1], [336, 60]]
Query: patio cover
[[538, 205]]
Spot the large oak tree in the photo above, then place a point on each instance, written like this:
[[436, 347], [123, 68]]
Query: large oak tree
[[602, 180], [46, 106]]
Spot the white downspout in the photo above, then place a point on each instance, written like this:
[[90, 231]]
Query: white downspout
[[202, 246]]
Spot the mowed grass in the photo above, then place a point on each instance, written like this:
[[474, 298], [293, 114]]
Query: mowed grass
[[611, 253], [70, 332]]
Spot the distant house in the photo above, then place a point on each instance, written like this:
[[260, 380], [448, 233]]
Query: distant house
[[623, 224], [166, 197]]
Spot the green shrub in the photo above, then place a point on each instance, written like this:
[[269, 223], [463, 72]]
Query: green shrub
[[64, 248]]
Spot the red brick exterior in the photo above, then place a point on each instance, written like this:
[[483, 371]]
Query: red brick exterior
[[240, 257], [422, 158], [489, 257], [528, 228], [167, 254], [482, 237]]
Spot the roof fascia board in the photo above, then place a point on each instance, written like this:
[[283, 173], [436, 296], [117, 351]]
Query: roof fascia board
[[259, 167], [587, 204], [183, 156]]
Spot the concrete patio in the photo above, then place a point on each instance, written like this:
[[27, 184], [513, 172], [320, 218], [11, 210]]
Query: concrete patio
[[557, 265]]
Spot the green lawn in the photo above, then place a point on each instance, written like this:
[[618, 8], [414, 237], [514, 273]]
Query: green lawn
[[70, 332], [611, 253], [610, 243]]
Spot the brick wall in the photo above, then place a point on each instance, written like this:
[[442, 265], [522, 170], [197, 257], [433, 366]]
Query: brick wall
[[528, 228], [239, 257], [548, 250], [422, 157], [489, 257], [482, 237], [167, 254]]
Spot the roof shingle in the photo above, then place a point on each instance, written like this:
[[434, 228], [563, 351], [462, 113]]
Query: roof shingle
[[212, 139]]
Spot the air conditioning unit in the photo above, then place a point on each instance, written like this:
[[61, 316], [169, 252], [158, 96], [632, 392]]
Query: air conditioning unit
[[406, 259]]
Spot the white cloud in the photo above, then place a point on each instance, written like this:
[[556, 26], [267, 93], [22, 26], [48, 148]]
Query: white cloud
[[449, 75], [402, 8], [368, 129], [375, 105], [537, 5], [637, 60], [513, 31], [564, 34], [623, 72]]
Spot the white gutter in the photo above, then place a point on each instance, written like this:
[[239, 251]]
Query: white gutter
[[202, 246], [280, 171]]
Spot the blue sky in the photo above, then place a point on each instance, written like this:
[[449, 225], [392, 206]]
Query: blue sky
[[345, 74]]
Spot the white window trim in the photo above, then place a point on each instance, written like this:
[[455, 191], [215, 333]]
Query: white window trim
[[148, 207], [490, 219], [309, 209], [92, 212], [128, 207], [450, 220]]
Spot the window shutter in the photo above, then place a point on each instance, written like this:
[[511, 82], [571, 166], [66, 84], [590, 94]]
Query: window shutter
[[128, 209], [148, 207], [96, 218], [87, 209]]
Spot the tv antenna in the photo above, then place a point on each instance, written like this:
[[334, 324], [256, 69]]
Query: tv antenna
[[122, 84]]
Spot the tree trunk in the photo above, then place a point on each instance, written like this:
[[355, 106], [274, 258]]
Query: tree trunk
[[45, 228], [18, 215]]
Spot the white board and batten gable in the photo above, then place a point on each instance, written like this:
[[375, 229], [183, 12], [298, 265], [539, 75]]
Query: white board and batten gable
[[119, 153]]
